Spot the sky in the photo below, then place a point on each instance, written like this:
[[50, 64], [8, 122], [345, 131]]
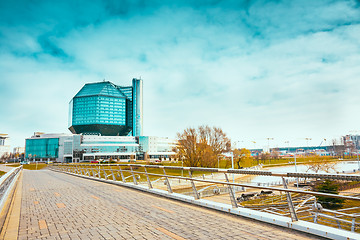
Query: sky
[[285, 70]]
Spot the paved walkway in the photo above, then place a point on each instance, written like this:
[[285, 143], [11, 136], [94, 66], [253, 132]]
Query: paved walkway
[[58, 206]]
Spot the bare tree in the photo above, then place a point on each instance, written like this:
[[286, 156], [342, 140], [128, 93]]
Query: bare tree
[[202, 146]]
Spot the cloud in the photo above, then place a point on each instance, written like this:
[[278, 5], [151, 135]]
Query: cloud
[[254, 68]]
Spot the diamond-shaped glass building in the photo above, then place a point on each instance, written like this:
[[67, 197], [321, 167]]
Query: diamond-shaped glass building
[[104, 108]]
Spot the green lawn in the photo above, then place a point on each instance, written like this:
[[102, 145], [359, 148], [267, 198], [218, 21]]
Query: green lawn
[[31, 166], [126, 171]]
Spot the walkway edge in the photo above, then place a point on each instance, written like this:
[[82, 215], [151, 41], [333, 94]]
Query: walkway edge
[[302, 226], [10, 228]]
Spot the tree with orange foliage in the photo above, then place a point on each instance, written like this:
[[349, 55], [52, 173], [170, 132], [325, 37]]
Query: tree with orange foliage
[[201, 147]]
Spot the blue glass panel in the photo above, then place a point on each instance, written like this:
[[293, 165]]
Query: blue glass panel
[[42, 148]]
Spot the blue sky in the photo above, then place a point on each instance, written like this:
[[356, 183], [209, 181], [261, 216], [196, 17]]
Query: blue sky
[[288, 70]]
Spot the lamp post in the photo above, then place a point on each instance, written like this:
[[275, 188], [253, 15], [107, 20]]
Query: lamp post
[[182, 167], [269, 148], [269, 142], [288, 142], [232, 166], [297, 179], [307, 142]]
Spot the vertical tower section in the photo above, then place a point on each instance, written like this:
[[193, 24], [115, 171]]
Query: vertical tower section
[[128, 92], [137, 103]]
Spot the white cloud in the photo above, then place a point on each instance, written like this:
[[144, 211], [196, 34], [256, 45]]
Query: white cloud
[[284, 70]]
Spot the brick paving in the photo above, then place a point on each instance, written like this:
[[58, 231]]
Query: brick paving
[[60, 206]]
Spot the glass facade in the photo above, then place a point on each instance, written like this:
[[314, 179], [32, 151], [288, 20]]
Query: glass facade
[[99, 110], [107, 109], [137, 107], [42, 148]]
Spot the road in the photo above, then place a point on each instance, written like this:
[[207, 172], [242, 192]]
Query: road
[[59, 206]]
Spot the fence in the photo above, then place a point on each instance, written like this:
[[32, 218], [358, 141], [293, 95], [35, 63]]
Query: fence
[[156, 179]]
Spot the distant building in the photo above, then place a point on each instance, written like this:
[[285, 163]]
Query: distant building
[[106, 121], [18, 150], [298, 151], [106, 109], [79, 148], [4, 144], [351, 142], [46, 146]]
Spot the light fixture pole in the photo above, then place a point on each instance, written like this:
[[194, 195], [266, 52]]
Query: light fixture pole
[[232, 166], [269, 142], [297, 178], [269, 148], [288, 142], [307, 143]]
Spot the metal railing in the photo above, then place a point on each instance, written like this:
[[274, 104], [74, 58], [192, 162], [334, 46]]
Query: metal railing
[[151, 174], [7, 187]]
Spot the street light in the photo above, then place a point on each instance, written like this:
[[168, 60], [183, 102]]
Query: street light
[[232, 166], [297, 179], [307, 142], [288, 142], [269, 142], [269, 148]]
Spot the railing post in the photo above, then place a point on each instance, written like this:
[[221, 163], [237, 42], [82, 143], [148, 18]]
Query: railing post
[[338, 222], [105, 175], [196, 193], [122, 175], [112, 173], [148, 179], [353, 225], [99, 172], [167, 180], [135, 182], [290, 203], [231, 193]]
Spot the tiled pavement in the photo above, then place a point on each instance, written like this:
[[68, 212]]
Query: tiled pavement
[[60, 206]]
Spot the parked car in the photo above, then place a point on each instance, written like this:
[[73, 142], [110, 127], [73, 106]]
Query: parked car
[[24, 162], [94, 161]]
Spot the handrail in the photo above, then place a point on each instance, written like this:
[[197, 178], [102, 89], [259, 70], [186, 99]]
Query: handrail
[[217, 182], [251, 186], [350, 177], [109, 170], [7, 185]]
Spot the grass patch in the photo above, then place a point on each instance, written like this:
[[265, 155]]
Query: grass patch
[[31, 166], [126, 171]]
